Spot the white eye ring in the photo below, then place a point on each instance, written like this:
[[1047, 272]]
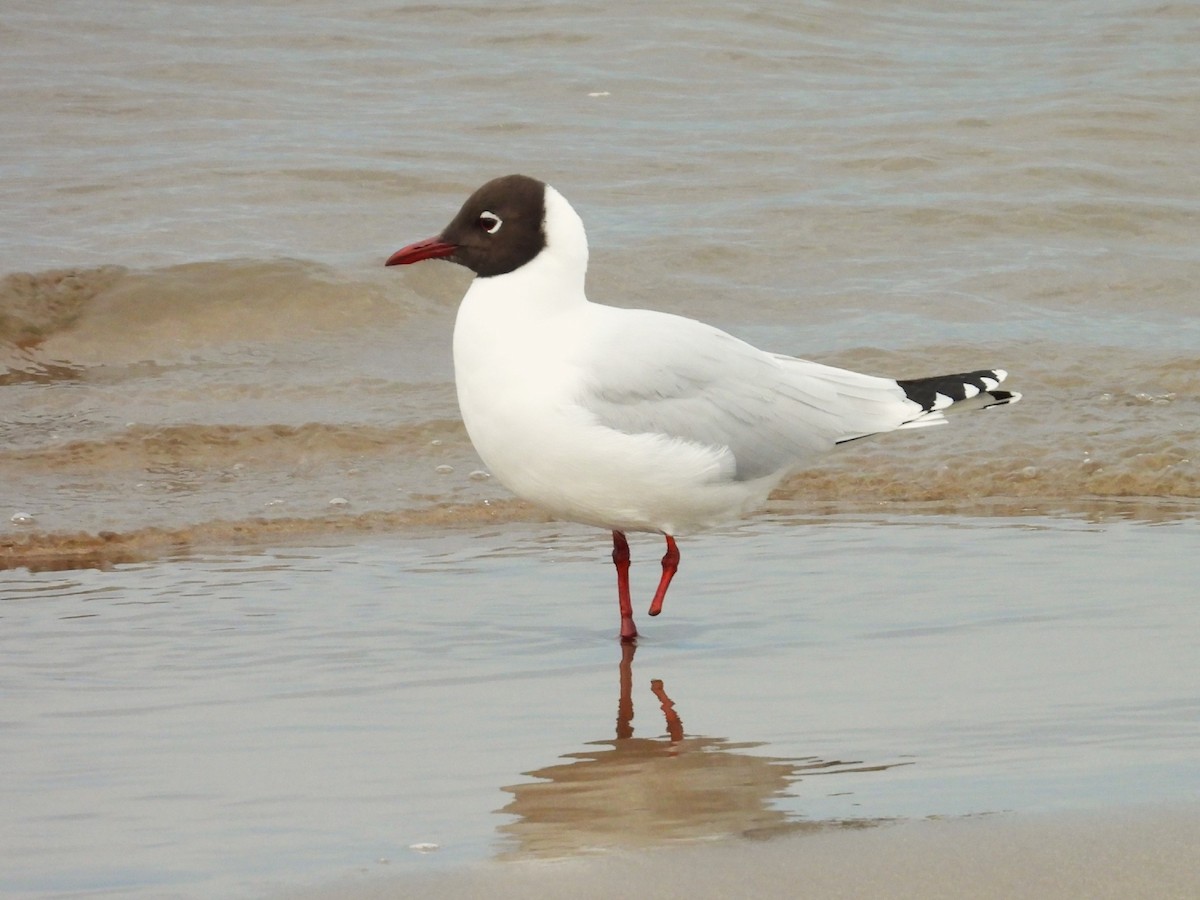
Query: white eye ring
[[489, 222]]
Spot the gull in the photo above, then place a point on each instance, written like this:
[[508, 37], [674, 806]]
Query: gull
[[634, 420]]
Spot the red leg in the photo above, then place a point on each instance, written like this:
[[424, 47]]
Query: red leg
[[620, 558], [670, 564]]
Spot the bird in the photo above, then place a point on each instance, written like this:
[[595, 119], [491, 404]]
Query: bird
[[636, 420]]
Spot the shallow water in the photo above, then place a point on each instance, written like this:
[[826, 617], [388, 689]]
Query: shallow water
[[218, 725], [267, 618]]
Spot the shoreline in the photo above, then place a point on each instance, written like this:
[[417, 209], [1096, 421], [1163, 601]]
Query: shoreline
[[39, 550]]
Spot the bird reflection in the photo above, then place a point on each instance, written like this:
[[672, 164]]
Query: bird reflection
[[637, 792]]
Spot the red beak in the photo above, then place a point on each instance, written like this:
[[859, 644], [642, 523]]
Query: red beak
[[433, 248]]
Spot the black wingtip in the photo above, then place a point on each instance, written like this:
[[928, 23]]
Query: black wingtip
[[942, 391]]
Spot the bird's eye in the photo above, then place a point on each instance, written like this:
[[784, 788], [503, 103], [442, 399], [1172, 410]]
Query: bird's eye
[[489, 222]]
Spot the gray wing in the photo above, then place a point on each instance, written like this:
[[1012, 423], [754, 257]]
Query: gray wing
[[649, 372]]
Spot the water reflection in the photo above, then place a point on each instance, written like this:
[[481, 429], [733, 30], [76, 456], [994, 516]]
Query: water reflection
[[632, 792]]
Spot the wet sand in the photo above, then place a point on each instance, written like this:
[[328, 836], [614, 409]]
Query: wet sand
[[258, 720], [1118, 854]]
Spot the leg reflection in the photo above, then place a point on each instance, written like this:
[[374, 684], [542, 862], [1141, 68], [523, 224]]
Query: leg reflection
[[625, 703], [674, 725]]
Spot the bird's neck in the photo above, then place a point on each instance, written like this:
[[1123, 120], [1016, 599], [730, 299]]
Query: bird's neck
[[543, 287]]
